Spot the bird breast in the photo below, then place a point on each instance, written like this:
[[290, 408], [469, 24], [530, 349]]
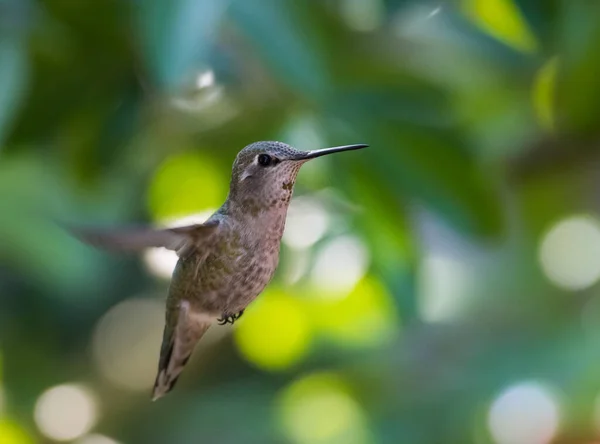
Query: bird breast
[[237, 268]]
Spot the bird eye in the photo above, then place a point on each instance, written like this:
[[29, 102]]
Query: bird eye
[[265, 160]]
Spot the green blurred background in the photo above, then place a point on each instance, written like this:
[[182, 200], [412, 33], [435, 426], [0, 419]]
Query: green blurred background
[[438, 287]]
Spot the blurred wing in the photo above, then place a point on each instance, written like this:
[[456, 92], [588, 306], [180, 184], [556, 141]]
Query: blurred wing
[[183, 240]]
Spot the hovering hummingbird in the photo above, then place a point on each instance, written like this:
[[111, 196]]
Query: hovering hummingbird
[[225, 262]]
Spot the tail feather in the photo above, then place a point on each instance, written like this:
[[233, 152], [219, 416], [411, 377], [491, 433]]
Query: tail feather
[[178, 345]]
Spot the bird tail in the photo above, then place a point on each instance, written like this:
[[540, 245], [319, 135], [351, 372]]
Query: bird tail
[[178, 345]]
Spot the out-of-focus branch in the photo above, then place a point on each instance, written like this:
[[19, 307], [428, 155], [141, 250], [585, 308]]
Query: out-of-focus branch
[[554, 154]]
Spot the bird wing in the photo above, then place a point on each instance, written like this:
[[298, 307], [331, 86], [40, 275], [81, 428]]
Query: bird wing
[[182, 240]]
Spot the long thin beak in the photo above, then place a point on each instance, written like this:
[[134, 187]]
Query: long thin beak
[[323, 152]]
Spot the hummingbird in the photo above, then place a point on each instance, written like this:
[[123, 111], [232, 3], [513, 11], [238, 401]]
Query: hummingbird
[[226, 262]]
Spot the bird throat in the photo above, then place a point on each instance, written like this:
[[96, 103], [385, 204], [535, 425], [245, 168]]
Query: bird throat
[[261, 205]]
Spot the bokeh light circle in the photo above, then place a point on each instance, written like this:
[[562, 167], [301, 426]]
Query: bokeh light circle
[[96, 439], [160, 261], [319, 408], [339, 266], [186, 183], [65, 412], [525, 413], [126, 343], [568, 253], [443, 283], [367, 317], [275, 333], [306, 223]]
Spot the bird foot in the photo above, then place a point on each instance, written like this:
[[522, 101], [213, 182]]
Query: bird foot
[[230, 319]]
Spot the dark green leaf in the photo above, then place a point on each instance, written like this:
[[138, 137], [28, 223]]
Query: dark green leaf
[[177, 36], [14, 73], [286, 38]]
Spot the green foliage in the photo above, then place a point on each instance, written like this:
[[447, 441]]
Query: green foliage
[[482, 121]]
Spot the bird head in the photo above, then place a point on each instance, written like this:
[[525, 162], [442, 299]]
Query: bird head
[[266, 171]]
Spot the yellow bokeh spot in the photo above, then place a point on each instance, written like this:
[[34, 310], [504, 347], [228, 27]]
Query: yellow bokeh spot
[[543, 93], [365, 317], [275, 333], [12, 433], [320, 409], [503, 20], [184, 184]]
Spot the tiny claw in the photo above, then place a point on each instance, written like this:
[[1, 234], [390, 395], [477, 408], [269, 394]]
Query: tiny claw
[[222, 321], [230, 319]]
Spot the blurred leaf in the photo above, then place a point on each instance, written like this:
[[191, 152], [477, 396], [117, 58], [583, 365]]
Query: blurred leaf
[[363, 15], [385, 225], [288, 40], [14, 71], [76, 47], [462, 60], [206, 416], [392, 6], [541, 16], [413, 104], [500, 121], [544, 92], [432, 164], [579, 80], [503, 20], [13, 433], [177, 36], [31, 243], [431, 167]]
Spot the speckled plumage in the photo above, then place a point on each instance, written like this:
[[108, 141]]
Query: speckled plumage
[[225, 263], [242, 259]]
